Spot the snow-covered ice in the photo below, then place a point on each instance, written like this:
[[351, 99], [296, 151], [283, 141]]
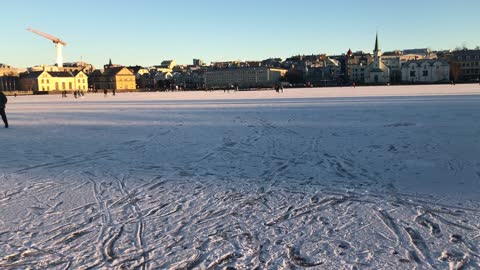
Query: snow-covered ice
[[332, 178]]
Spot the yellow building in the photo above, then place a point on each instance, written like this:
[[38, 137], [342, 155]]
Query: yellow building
[[8, 78], [120, 78], [44, 81]]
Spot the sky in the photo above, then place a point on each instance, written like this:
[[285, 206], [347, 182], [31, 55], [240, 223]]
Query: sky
[[146, 32]]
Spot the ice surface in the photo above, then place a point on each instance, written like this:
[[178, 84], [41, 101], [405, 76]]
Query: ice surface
[[331, 178]]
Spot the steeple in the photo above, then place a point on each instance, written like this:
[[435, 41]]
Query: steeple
[[110, 62], [377, 48]]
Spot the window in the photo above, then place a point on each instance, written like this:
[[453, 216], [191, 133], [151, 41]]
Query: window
[[425, 73], [413, 73], [48, 81]]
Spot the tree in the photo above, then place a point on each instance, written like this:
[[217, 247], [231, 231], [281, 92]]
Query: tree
[[455, 71], [294, 76], [143, 80]]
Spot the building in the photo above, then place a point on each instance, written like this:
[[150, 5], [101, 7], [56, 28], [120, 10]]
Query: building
[[78, 66], [193, 78], [426, 71], [228, 64], [325, 73], [273, 62], [465, 65], [377, 72], [45, 81], [198, 63], [168, 64], [162, 79], [81, 80], [353, 66], [120, 78], [425, 52], [243, 77], [394, 60], [43, 68], [9, 78], [142, 76]]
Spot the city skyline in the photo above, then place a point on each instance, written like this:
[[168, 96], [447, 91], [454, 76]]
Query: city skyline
[[148, 32]]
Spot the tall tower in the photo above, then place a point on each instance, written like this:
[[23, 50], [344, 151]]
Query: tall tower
[[377, 53]]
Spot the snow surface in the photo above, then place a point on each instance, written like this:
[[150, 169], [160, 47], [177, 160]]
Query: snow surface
[[331, 178]]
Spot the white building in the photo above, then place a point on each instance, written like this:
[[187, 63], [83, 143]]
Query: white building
[[377, 72], [243, 77], [426, 71]]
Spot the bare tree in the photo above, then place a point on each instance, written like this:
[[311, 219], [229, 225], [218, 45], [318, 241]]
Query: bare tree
[[455, 71]]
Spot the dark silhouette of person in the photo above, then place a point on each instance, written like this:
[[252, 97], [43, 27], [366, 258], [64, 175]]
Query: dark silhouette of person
[[3, 102]]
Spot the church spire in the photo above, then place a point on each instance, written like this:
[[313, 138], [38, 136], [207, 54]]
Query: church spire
[[377, 48]]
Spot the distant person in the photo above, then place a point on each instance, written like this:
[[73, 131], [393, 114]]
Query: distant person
[[105, 92], [281, 88], [354, 85], [15, 94], [75, 94], [113, 91], [3, 103]]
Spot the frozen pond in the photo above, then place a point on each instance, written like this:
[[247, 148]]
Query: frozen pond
[[339, 178]]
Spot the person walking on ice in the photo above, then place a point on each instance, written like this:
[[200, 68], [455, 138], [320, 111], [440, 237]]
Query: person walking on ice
[[3, 102]]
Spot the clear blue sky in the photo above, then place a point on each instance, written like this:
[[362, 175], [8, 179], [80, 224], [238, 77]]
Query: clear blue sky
[[145, 32]]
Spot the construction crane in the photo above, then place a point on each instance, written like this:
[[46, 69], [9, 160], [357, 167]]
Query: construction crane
[[58, 44]]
